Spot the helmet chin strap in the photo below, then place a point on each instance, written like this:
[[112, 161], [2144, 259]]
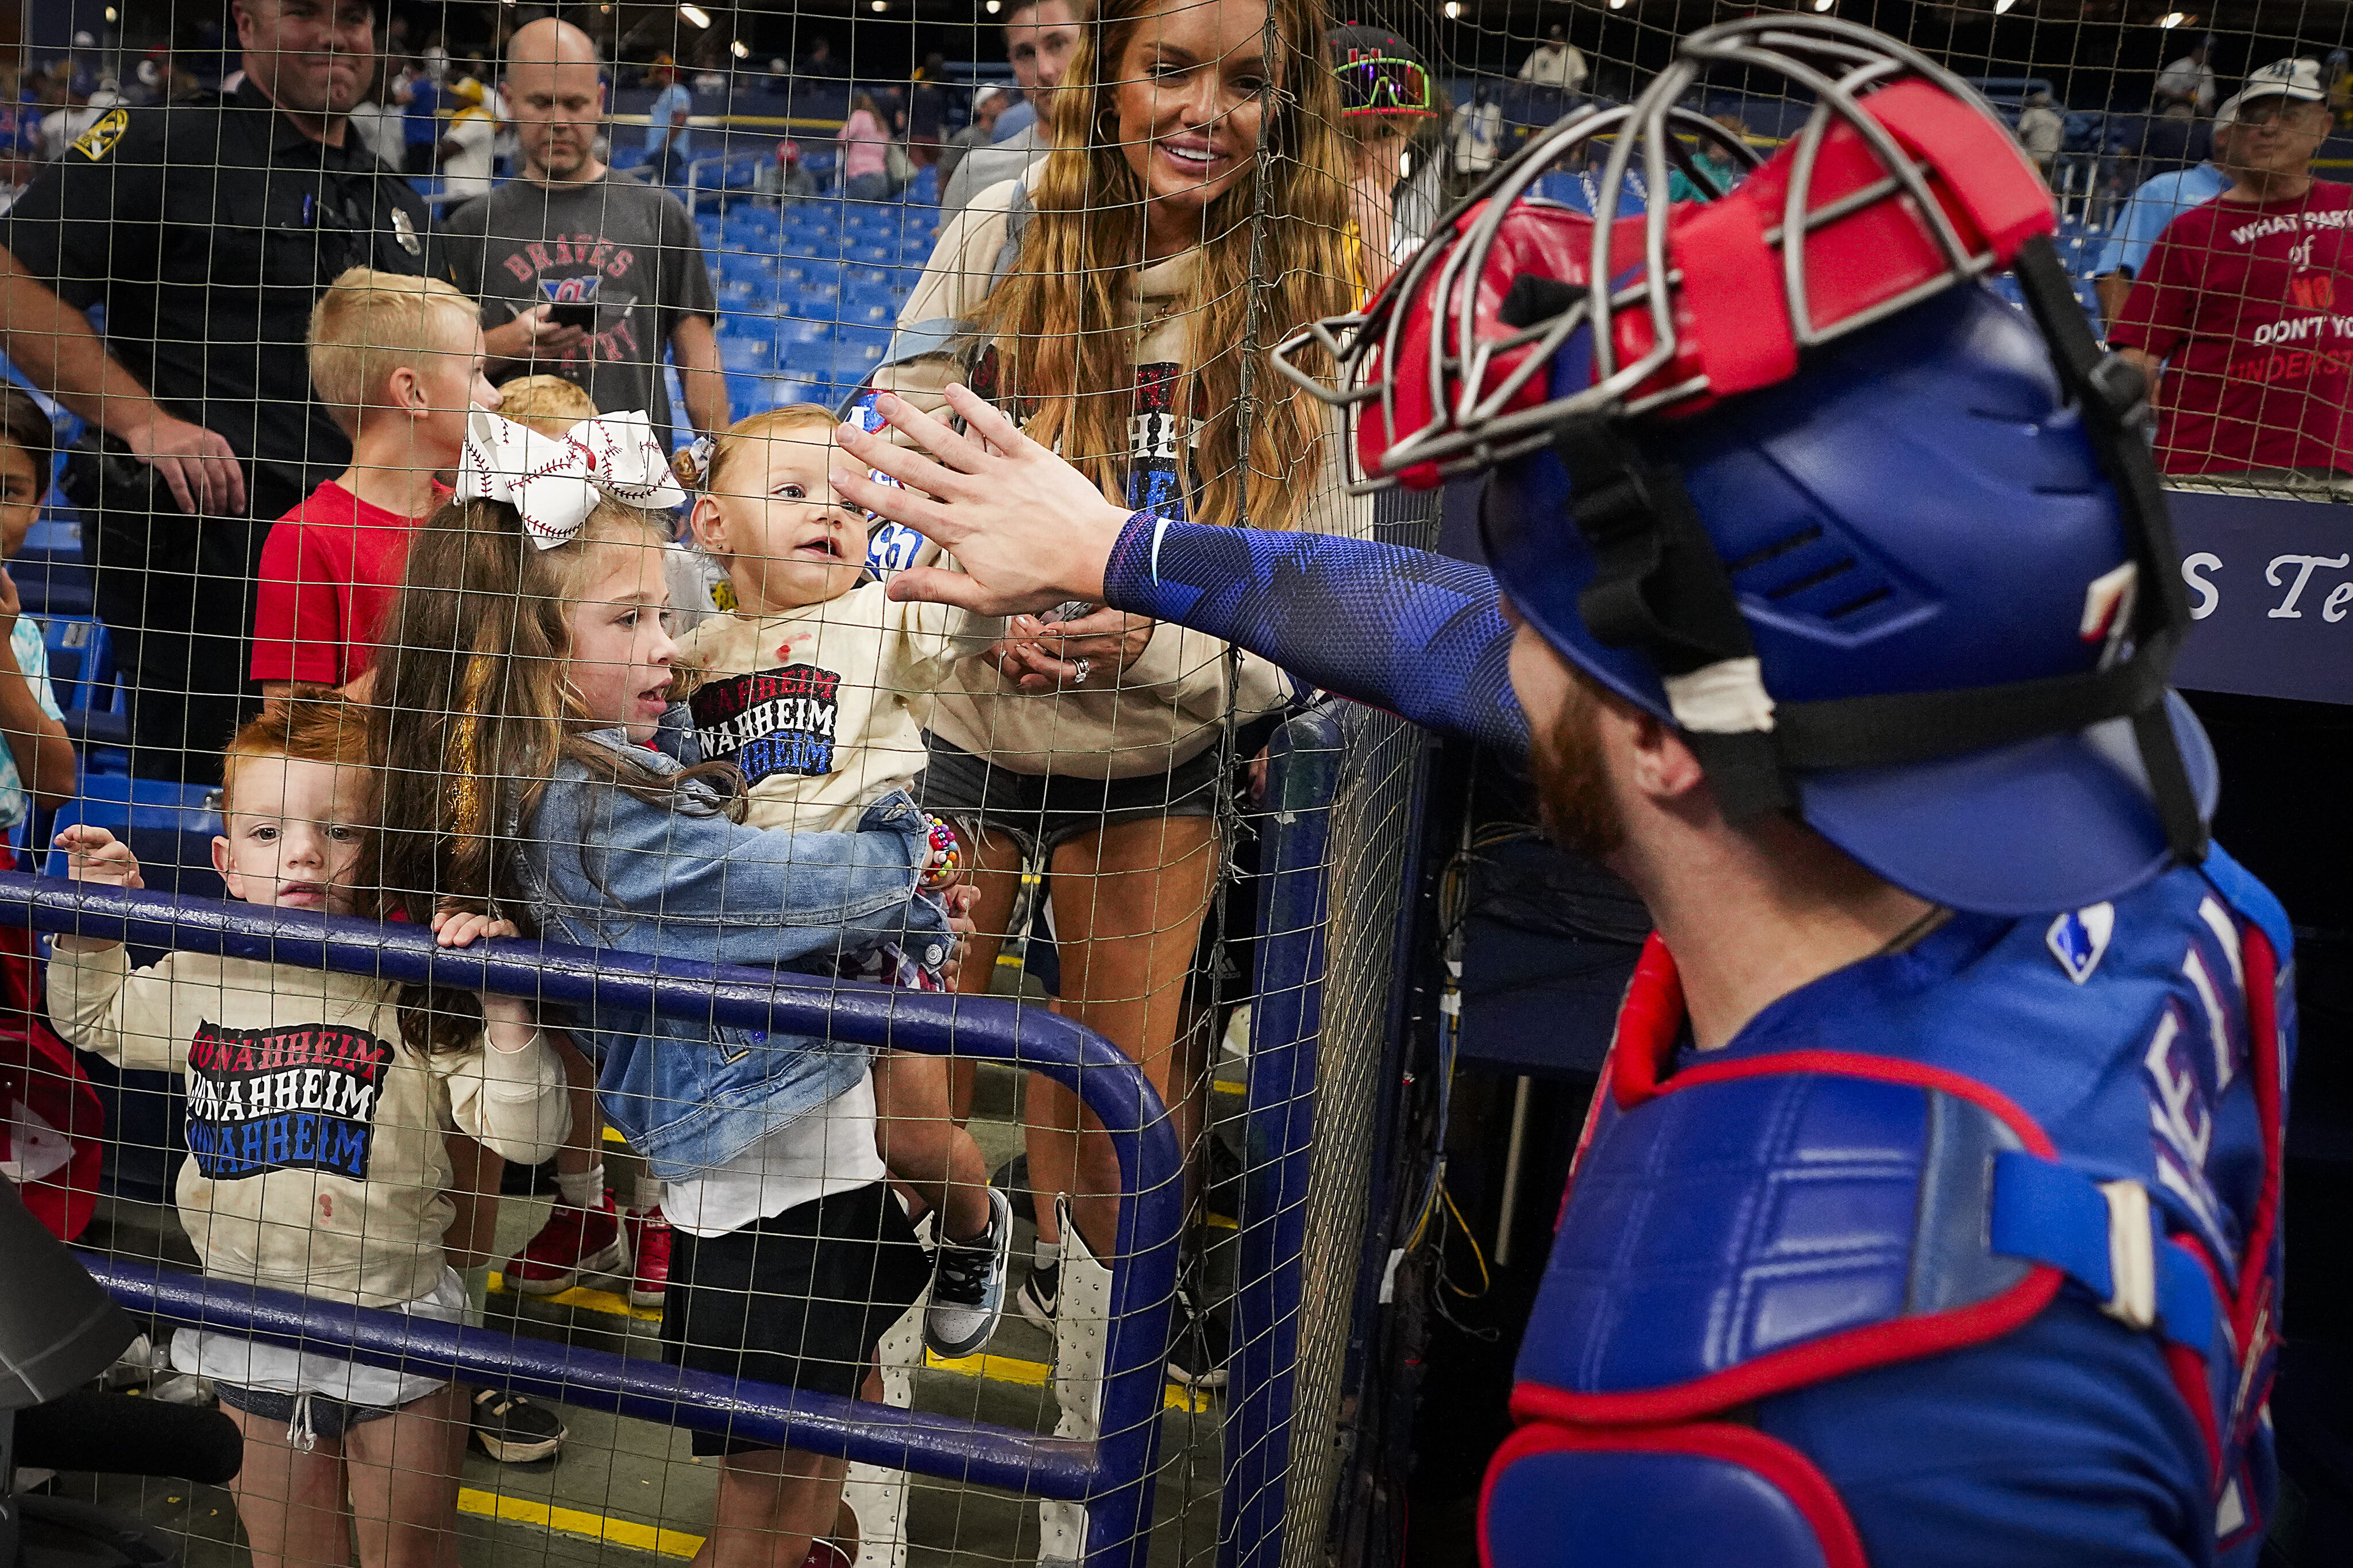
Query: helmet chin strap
[[1660, 586]]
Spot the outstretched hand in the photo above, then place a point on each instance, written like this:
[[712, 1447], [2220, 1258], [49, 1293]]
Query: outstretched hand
[[1028, 530]]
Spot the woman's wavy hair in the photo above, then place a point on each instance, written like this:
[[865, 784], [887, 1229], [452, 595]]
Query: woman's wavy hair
[[1066, 359], [473, 710]]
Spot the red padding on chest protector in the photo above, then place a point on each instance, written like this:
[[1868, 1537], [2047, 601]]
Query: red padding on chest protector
[[1782, 1466]]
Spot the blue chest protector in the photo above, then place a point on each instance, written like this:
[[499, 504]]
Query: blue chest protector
[[1967, 1254]]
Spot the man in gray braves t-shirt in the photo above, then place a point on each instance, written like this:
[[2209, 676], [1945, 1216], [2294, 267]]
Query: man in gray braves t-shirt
[[584, 272]]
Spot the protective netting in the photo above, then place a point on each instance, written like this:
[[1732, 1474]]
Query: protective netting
[[219, 465]]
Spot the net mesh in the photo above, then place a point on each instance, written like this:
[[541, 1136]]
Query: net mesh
[[801, 210]]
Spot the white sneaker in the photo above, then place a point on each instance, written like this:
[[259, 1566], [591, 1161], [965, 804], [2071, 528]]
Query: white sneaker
[[968, 1286]]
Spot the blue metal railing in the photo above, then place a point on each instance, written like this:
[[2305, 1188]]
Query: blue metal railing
[[1286, 1017], [1112, 1476]]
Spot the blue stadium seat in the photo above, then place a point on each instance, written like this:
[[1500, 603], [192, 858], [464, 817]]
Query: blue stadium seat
[[48, 571], [81, 658], [745, 353], [791, 330], [170, 826]]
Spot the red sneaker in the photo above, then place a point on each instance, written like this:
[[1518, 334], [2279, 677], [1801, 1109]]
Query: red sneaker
[[573, 1242], [650, 1240]]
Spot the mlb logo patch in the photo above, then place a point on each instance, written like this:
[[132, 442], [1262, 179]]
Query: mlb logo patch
[[2079, 937]]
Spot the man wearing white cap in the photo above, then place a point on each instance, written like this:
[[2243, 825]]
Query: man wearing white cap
[[2160, 199], [2242, 306]]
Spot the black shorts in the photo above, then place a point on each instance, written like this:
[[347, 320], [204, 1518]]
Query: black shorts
[[1041, 811], [801, 1298]]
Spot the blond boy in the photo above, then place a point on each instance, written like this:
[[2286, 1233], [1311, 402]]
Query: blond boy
[[398, 361]]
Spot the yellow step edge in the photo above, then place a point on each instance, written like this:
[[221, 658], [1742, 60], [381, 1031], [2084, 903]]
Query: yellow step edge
[[1036, 1374], [625, 1532], [611, 1302], [991, 1368]]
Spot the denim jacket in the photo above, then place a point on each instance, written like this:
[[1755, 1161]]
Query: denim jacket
[[607, 870]]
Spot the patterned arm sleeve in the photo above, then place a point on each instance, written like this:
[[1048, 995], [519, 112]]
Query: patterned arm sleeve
[[1417, 633]]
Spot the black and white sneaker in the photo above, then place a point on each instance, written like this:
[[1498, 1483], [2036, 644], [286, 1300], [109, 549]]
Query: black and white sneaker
[[1039, 1292], [514, 1430], [1199, 1345], [968, 1286]]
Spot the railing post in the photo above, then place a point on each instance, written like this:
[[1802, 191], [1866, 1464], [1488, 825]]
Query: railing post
[[1285, 1020]]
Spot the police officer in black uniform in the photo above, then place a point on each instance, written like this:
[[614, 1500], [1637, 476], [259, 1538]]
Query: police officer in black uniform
[[206, 228]]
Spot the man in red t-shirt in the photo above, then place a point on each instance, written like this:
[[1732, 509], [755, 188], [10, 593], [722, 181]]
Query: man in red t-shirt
[[2244, 309], [398, 361]]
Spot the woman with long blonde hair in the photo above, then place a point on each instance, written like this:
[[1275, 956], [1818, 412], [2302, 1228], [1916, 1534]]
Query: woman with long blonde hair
[[1120, 300]]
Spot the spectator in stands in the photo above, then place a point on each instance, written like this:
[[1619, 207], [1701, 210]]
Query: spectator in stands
[[2185, 89], [465, 141], [178, 228], [1477, 140], [419, 97], [36, 756], [2041, 129], [986, 105], [786, 177], [667, 138], [2159, 200], [865, 152], [819, 64], [925, 115], [62, 128], [2338, 70], [795, 562], [378, 122], [1722, 169], [398, 361], [639, 285], [1094, 739], [2238, 314], [341, 1200], [588, 1231], [1554, 71], [1386, 99], [1039, 40]]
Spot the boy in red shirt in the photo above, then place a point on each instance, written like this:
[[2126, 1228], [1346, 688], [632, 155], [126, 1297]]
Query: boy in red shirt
[[399, 362], [2243, 304]]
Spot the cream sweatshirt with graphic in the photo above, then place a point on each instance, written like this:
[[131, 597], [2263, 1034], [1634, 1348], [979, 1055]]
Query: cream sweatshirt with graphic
[[823, 707], [1165, 708], [315, 1154]]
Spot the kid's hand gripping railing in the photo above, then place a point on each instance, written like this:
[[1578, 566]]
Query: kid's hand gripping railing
[[1112, 1475]]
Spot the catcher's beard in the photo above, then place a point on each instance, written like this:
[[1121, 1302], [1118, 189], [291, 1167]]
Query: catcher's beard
[[1573, 799]]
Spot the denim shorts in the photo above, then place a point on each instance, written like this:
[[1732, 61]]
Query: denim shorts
[[330, 1417], [1041, 811]]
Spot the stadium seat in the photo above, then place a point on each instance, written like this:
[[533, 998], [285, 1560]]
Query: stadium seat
[[169, 826]]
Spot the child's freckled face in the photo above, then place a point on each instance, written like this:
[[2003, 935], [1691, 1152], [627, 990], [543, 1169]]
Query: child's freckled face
[[621, 649], [295, 832], [786, 539]]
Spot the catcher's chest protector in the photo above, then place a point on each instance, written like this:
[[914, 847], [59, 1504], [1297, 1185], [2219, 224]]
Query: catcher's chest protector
[[1924, 1153]]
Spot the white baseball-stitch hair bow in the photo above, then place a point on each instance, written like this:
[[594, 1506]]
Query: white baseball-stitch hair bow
[[555, 481]]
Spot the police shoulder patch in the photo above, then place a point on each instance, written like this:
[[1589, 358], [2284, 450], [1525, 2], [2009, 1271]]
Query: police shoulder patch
[[2079, 937], [99, 141]]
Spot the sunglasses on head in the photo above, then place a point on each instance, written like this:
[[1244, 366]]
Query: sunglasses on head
[[1383, 84]]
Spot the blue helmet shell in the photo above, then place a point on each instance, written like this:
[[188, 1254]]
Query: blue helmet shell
[[1916, 509]]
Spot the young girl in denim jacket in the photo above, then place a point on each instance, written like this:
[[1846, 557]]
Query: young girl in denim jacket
[[536, 767]]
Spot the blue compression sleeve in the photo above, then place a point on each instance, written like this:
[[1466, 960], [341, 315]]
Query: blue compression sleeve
[[1417, 633]]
